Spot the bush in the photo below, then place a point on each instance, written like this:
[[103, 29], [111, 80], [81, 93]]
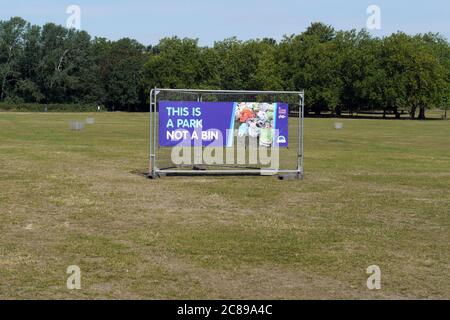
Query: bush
[[36, 107]]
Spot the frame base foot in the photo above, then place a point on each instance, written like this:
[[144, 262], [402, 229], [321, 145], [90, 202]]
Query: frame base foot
[[291, 176]]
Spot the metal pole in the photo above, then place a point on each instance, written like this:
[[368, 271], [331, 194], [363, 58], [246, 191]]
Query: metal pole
[[256, 92], [150, 168], [303, 130], [155, 124], [299, 149]]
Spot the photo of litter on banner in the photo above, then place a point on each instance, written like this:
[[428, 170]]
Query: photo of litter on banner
[[217, 123]]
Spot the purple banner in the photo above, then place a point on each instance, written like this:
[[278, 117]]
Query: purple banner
[[216, 124]]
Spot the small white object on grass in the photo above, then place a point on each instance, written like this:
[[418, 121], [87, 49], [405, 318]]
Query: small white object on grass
[[338, 125], [90, 120], [76, 125]]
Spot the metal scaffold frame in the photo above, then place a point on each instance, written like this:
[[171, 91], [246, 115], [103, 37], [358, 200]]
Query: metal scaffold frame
[[155, 172]]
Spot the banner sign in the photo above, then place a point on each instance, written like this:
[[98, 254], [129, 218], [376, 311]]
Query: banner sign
[[215, 124]]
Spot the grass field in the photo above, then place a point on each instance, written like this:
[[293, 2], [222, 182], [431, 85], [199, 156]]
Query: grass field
[[376, 192]]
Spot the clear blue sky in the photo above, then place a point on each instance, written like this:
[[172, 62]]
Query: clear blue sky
[[210, 20]]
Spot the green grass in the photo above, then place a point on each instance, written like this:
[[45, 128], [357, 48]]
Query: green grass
[[376, 192]]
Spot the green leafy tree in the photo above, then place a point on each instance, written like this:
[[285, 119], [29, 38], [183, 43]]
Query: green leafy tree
[[238, 62], [123, 84], [11, 50], [311, 61], [417, 70], [28, 86], [176, 65], [63, 54], [267, 75]]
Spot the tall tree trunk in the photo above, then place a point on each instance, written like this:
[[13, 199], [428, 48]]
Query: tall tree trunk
[[412, 113], [2, 96], [6, 74], [422, 113], [397, 114], [317, 110], [3, 89]]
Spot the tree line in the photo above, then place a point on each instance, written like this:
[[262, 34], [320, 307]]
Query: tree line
[[341, 71]]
